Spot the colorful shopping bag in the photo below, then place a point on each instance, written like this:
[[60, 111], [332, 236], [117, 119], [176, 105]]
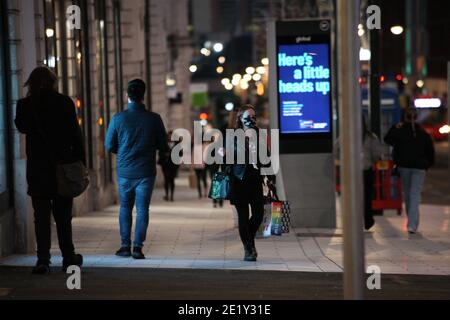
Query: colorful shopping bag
[[277, 222]]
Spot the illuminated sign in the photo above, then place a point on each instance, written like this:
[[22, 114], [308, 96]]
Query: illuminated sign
[[304, 88], [303, 85]]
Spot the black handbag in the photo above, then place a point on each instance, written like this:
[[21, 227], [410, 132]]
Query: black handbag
[[72, 178]]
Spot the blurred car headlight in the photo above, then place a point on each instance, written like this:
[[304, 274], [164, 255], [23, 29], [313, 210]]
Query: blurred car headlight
[[444, 129]]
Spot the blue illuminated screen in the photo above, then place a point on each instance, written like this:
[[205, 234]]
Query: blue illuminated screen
[[304, 87]]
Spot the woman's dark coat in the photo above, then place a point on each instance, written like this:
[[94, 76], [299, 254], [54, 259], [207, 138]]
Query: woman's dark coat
[[58, 138]]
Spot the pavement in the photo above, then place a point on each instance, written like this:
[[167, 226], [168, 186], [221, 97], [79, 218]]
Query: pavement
[[193, 252], [191, 234]]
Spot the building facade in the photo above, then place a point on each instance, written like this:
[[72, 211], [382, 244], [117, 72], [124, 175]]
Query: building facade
[[114, 42]]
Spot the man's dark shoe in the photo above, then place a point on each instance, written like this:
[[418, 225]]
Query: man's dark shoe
[[75, 260], [124, 252], [42, 267], [137, 253]]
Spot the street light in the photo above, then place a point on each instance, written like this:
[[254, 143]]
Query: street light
[[361, 30], [205, 52], [49, 33], [170, 82], [265, 61], [218, 47], [229, 106], [225, 81], [219, 70], [397, 30], [235, 81], [420, 83], [256, 77], [193, 68], [229, 86], [221, 59], [261, 70], [244, 85], [250, 70], [247, 77]]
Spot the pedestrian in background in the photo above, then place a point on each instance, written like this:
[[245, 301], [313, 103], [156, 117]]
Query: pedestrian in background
[[413, 154], [372, 152], [169, 169], [200, 172]]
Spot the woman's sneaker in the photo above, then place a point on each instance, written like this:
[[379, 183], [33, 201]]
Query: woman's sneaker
[[42, 267]]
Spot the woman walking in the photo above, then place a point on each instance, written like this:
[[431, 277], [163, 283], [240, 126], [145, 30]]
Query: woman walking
[[49, 121], [413, 155], [247, 185]]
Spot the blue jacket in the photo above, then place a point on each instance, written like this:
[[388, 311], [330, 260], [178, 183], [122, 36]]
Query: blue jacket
[[134, 135]]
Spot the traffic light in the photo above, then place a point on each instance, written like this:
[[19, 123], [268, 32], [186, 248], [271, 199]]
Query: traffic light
[[400, 83], [203, 116]]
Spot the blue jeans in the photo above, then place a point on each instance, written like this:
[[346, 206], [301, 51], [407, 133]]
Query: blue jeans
[[412, 182], [131, 191]]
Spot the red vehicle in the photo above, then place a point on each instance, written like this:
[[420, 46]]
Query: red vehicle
[[433, 117]]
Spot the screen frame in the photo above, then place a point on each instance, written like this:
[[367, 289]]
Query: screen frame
[[288, 33]]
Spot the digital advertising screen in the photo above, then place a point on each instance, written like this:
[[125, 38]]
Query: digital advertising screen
[[304, 88]]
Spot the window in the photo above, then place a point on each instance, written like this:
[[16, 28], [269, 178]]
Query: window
[[103, 85], [67, 54], [85, 67], [50, 35], [118, 54], [5, 164]]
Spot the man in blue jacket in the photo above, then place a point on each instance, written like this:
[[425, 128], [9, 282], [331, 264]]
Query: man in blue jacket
[[134, 135]]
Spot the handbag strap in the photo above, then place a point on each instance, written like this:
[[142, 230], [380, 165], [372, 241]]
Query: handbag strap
[[273, 193]]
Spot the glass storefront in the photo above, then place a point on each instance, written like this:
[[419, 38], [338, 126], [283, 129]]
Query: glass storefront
[[5, 200]]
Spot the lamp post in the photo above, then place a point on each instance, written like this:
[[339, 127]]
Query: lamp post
[[351, 145]]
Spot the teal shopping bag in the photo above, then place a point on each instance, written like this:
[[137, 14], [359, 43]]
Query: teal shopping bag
[[220, 186]]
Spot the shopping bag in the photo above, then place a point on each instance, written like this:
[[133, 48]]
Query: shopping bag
[[220, 186], [280, 222], [265, 229], [277, 215]]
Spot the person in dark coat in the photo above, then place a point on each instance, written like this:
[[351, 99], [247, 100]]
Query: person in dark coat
[[49, 121], [247, 184], [414, 155], [169, 169]]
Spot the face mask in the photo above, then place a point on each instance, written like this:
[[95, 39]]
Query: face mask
[[249, 122]]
